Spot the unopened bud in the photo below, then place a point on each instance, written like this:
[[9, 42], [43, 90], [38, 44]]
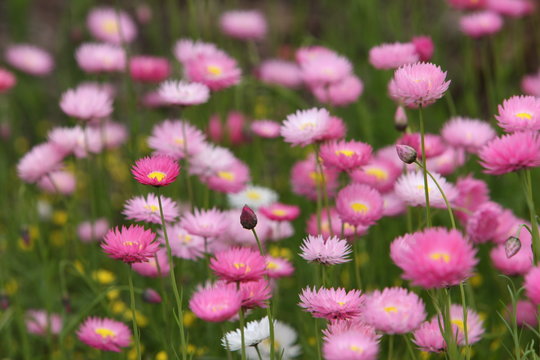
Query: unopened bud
[[66, 302], [151, 296], [406, 153], [400, 119], [248, 219], [4, 301], [512, 246]]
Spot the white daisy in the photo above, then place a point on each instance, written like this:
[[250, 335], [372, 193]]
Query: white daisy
[[254, 333], [284, 341], [253, 196]]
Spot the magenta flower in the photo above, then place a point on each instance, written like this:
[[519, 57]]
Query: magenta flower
[[149, 69], [238, 265], [326, 251], [158, 170], [510, 153], [111, 25], [332, 304], [359, 204], [255, 293], [7, 80], [532, 285], [350, 341], [482, 224], [471, 194], [381, 174], [147, 209], [280, 212], [520, 263], [216, 302], [243, 24], [519, 113], [526, 313], [392, 56], [104, 334], [131, 245], [424, 47], [345, 155]]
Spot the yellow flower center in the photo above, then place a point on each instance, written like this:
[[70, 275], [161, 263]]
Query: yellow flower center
[[226, 175], [459, 323], [217, 307], [105, 333], [253, 195], [128, 243], [110, 26], [179, 141], [391, 309], [214, 70], [347, 153], [157, 175], [356, 349], [440, 256], [186, 239], [272, 265], [239, 266], [316, 177], [307, 125], [359, 207], [279, 212], [341, 303], [152, 208], [524, 115], [379, 173]]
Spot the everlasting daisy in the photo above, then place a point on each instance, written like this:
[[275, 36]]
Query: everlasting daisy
[[350, 341], [38, 162], [104, 334], [149, 69], [325, 68], [471, 194], [155, 170], [419, 84], [131, 245], [254, 332], [86, 103], [280, 72], [530, 84], [336, 129], [91, 231], [434, 144], [150, 268], [519, 113], [511, 8], [77, 140], [58, 182], [393, 310], [332, 304], [532, 285], [379, 173], [238, 264], [410, 188], [526, 313], [39, 322], [306, 178], [211, 160], [215, 303], [337, 225], [510, 153], [255, 293], [482, 224], [481, 23], [231, 180], [284, 341], [253, 196], [434, 258], [392, 204], [111, 25], [186, 50], [329, 251], [265, 128], [243, 24], [7, 80], [424, 47], [29, 59], [183, 244], [146, 209], [345, 155], [98, 58], [520, 263], [168, 139], [305, 126], [340, 93], [280, 212], [205, 223], [183, 93], [113, 134], [466, 133], [277, 267], [448, 162], [218, 71], [392, 56], [359, 204]]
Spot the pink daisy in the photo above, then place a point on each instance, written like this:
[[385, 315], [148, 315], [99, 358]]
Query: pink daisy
[[350, 342], [210, 160], [530, 84], [410, 188], [218, 71], [325, 68], [419, 84], [532, 285], [526, 313], [305, 126], [337, 225], [305, 178], [149, 69], [150, 268], [238, 265], [183, 244], [428, 337], [243, 24], [97, 58], [168, 139], [38, 162], [434, 258], [216, 302], [104, 334], [392, 204], [277, 267], [434, 144], [448, 162], [280, 212], [86, 103], [392, 56], [336, 129], [393, 310], [186, 50], [255, 294], [481, 23], [280, 72], [359, 204], [7, 80], [424, 47], [205, 223], [520, 263], [519, 113], [471, 194], [340, 93], [77, 140], [332, 304], [58, 182], [511, 8], [266, 128], [510, 153], [157, 170], [39, 322], [111, 25], [146, 209], [508, 225], [326, 251], [466, 133], [183, 93], [379, 173], [309, 53], [113, 134], [29, 59], [482, 224], [229, 180], [92, 231], [131, 245], [345, 155]]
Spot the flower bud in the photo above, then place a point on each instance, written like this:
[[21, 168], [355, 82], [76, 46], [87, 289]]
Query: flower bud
[[512, 246], [248, 219], [151, 296], [406, 153], [400, 119], [4, 301]]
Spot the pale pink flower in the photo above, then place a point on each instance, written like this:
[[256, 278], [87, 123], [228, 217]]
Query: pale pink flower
[[326, 251], [97, 58], [218, 71], [243, 24], [392, 56], [29, 59], [58, 182], [86, 103], [104, 334], [39, 161], [305, 126], [410, 188], [280, 72], [150, 268], [111, 25], [183, 244], [266, 128], [174, 137], [332, 304], [519, 113], [340, 93], [146, 209], [466, 133], [481, 23], [183, 93], [39, 322]]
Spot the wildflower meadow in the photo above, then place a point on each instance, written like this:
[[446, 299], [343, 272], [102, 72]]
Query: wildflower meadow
[[269, 180]]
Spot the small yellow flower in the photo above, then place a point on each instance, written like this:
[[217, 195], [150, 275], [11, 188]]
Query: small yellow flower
[[60, 217], [118, 307], [132, 353], [189, 318], [162, 355], [103, 276], [312, 341], [191, 349], [113, 294], [476, 280], [57, 238], [11, 286]]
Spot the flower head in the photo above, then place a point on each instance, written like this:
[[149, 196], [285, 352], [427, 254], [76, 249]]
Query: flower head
[[97, 58], [150, 268], [345, 155], [519, 113], [60, 182], [104, 334], [481, 23], [131, 245], [183, 244], [466, 133], [149, 69], [254, 333], [350, 340], [280, 212], [277, 267], [285, 338], [217, 71], [7, 80], [38, 162], [305, 126], [206, 223], [381, 174], [39, 322], [86, 103], [332, 304], [111, 25], [510, 153], [184, 93], [168, 139], [29, 59], [280, 72], [245, 25], [340, 93], [91, 231], [410, 188], [238, 264], [392, 56], [532, 285], [253, 196], [329, 251], [216, 303], [147, 209], [157, 170], [266, 128], [434, 144], [359, 204]]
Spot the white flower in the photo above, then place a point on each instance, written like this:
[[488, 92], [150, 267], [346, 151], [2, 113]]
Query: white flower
[[253, 196], [410, 188], [284, 341], [254, 332]]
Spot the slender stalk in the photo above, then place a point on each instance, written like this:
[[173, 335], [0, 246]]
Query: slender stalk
[[356, 263], [258, 352], [189, 185], [410, 350], [390, 347], [173, 281], [133, 315], [465, 323], [323, 190], [426, 189], [319, 196], [242, 336]]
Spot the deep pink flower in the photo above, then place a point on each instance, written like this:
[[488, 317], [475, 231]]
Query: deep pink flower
[[280, 212], [359, 204], [482, 224], [520, 263], [157, 170], [379, 173], [216, 302], [104, 334], [255, 294], [424, 47], [510, 153], [150, 69], [217, 71], [332, 304], [468, 4], [7, 80], [471, 194], [532, 285], [238, 264], [131, 245], [345, 155], [526, 313], [434, 144]]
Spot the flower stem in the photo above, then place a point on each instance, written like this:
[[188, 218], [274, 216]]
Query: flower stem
[[173, 281], [318, 186], [409, 347], [133, 315], [390, 347], [243, 339], [426, 190]]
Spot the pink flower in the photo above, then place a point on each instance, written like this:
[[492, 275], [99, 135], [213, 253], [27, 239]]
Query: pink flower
[[236, 233], [244, 25], [336, 129], [424, 47], [157, 170], [38, 162], [434, 258], [326, 231], [340, 93], [532, 285], [530, 84], [111, 25], [183, 244], [428, 337], [97, 58], [356, 341], [280, 72], [146, 209], [519, 113], [277, 267], [229, 180], [86, 103], [326, 251], [510, 153], [39, 322], [255, 294], [58, 182], [471, 194], [410, 188], [345, 155], [186, 50], [310, 53], [218, 71], [305, 127], [305, 178], [379, 173], [419, 84], [77, 140], [7, 80], [183, 93], [211, 160], [174, 137], [280, 212], [448, 162], [205, 223], [392, 56], [526, 313], [434, 144], [508, 226], [238, 265], [113, 134], [482, 224], [89, 231], [393, 310], [150, 69], [332, 304], [216, 302], [481, 23], [520, 263], [266, 128], [359, 204], [29, 59], [468, 4], [511, 8], [392, 204], [104, 334], [131, 245], [150, 268], [325, 68], [466, 133]]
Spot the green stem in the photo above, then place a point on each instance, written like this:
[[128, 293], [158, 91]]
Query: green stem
[[465, 323], [409, 347], [356, 261], [242, 335], [319, 196], [323, 190], [390, 347], [133, 315], [426, 190]]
